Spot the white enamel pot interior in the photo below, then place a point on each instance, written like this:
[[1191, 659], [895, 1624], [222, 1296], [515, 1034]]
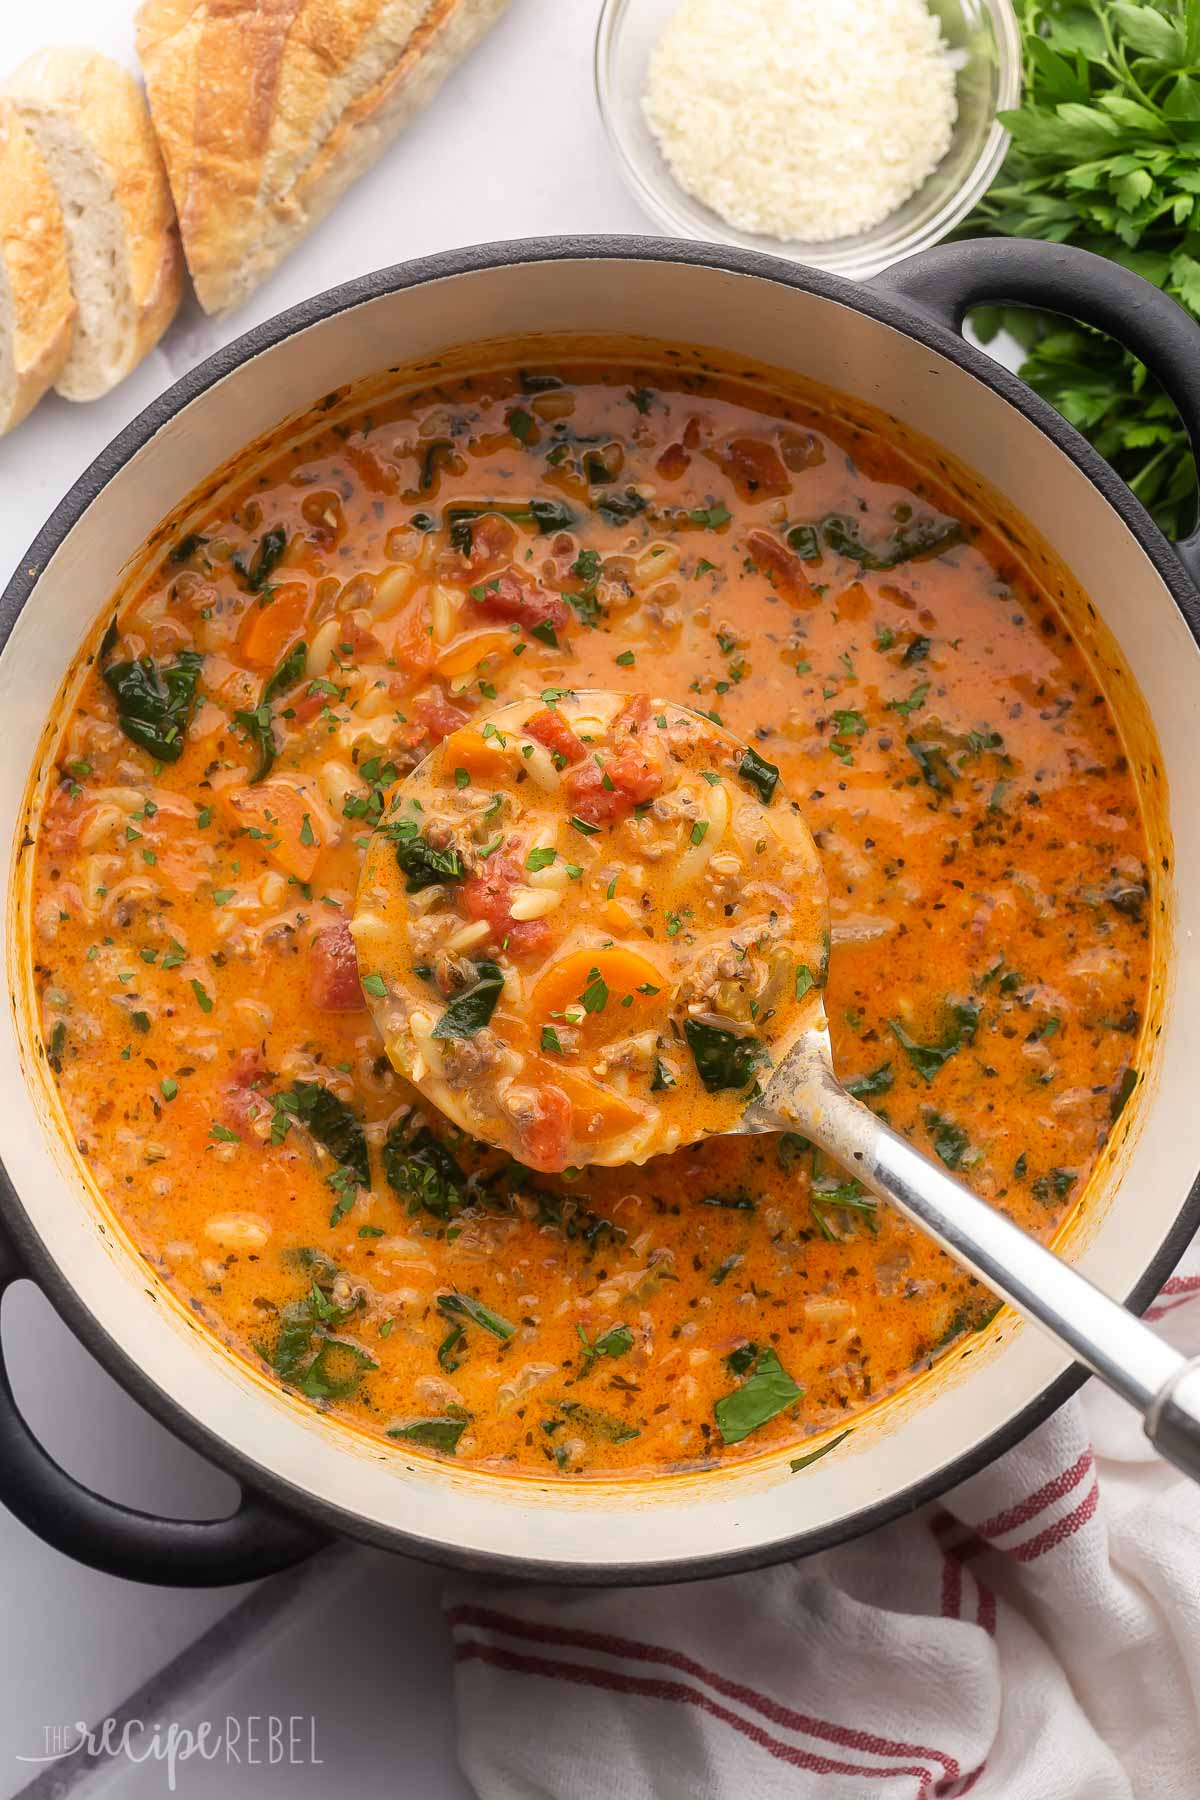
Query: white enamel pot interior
[[884, 349]]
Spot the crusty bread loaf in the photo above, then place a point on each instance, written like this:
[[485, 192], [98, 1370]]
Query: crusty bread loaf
[[267, 110], [90, 123], [37, 312]]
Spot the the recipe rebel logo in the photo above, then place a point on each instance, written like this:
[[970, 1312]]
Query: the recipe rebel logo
[[256, 1740]]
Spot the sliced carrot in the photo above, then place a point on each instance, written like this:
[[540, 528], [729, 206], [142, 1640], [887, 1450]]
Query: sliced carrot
[[268, 631], [597, 1111], [468, 749], [617, 917], [290, 816], [622, 973]]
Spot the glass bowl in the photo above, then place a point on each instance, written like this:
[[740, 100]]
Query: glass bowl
[[983, 32]]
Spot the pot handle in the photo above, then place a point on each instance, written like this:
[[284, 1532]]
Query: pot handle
[[946, 282], [258, 1539]]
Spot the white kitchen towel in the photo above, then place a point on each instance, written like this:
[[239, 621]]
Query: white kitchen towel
[[1033, 1636]]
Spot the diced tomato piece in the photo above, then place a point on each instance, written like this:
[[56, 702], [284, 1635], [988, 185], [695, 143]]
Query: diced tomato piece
[[492, 541], [376, 476], [515, 595], [412, 643], [627, 779], [488, 895], [306, 706], [361, 641], [634, 716], [333, 983], [546, 1130], [551, 729], [786, 571], [434, 713], [754, 467]]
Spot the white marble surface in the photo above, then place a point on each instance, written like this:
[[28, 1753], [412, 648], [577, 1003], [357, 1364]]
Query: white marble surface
[[512, 147]]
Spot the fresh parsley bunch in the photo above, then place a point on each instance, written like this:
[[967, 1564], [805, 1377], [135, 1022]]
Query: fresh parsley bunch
[[1106, 155]]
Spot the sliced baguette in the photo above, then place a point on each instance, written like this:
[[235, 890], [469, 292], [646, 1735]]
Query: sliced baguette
[[266, 113], [37, 311], [90, 123]]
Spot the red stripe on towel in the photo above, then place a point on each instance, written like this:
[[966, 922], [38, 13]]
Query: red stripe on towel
[[1060, 1531], [616, 1682], [634, 1650], [1039, 1500]]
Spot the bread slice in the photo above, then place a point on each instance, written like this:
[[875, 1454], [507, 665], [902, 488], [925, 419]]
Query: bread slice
[[90, 123], [37, 312], [267, 112]]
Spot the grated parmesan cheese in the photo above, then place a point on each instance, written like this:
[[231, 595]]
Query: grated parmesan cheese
[[810, 119]]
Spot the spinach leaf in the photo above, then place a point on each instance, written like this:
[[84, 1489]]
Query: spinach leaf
[[545, 515], [258, 724], [661, 1077], [264, 562], [789, 1148], [803, 1462], [723, 1059], [440, 1433], [438, 453], [258, 728], [949, 1140], [425, 866], [933, 763], [927, 1059], [600, 1424], [758, 774], [879, 1081], [913, 538], [329, 1121], [1122, 1092], [155, 705], [286, 675], [619, 508], [1054, 1186], [766, 1392], [804, 541], [336, 1370], [470, 1011], [321, 1365], [423, 1172], [462, 1306], [616, 1341], [187, 547], [453, 1341]]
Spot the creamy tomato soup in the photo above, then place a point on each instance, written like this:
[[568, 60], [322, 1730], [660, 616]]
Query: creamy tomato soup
[[368, 591]]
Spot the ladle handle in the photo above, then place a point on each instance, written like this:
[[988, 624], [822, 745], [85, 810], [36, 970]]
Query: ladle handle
[[1112, 1342]]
